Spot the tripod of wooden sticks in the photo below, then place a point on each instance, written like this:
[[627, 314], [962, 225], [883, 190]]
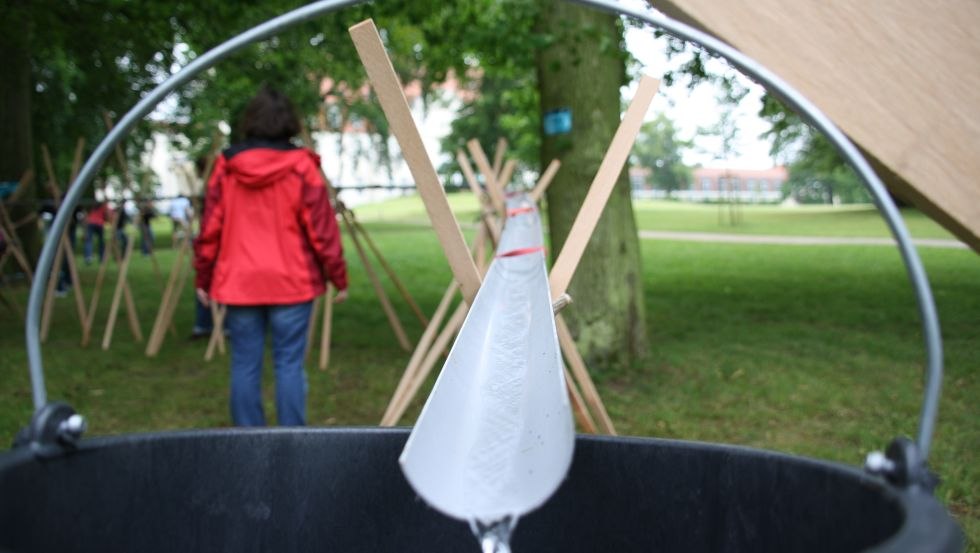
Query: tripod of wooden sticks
[[388, 89], [13, 249], [428, 350]]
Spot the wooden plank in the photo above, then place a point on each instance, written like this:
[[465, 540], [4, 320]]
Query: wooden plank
[[494, 189], [100, 278], [602, 186], [545, 180], [13, 243], [161, 322], [117, 296], [470, 177], [216, 342], [579, 408], [326, 332], [49, 293], [311, 325], [498, 155], [392, 98], [379, 290], [506, 174], [429, 361], [421, 349], [886, 73], [581, 374], [388, 270]]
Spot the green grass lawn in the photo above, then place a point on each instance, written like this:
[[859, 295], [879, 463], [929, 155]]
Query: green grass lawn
[[805, 220], [815, 351]]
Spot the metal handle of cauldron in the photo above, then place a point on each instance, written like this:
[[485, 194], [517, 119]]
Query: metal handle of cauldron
[[884, 203]]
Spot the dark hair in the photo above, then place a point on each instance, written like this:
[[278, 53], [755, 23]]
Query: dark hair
[[270, 115]]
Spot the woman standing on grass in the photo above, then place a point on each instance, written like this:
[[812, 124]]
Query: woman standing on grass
[[268, 242]]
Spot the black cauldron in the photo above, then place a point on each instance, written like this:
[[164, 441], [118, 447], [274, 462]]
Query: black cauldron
[[286, 490]]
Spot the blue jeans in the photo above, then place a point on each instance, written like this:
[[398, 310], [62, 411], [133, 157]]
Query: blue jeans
[[93, 231], [247, 326]]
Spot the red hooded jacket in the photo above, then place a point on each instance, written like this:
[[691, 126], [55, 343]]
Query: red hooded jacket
[[268, 234]]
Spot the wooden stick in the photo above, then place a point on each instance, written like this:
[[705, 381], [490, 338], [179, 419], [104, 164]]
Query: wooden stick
[[420, 350], [217, 339], [99, 278], [494, 189], [582, 414], [389, 271], [49, 293], [325, 333], [392, 98], [503, 179], [13, 243], [393, 321], [545, 180], [464, 165], [450, 330], [311, 325], [76, 282], [175, 298], [581, 374], [161, 322], [22, 184], [117, 296], [601, 188], [486, 207], [498, 155], [65, 254], [131, 315]]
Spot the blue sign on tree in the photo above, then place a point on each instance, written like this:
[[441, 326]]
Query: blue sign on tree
[[558, 121]]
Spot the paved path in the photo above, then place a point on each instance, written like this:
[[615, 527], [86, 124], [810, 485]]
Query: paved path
[[794, 240]]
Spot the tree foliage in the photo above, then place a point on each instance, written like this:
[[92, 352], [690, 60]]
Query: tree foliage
[[660, 149]]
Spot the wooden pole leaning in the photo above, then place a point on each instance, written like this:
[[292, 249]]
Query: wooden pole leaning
[[7, 226], [494, 189], [217, 339], [93, 304], [127, 185], [353, 227], [325, 332], [545, 180], [65, 254], [391, 95], [601, 187], [168, 300], [498, 155], [117, 296], [311, 325], [487, 212], [389, 311]]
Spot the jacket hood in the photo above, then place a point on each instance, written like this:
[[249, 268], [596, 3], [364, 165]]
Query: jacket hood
[[260, 164]]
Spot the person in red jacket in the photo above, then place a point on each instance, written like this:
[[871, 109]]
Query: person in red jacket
[[268, 242]]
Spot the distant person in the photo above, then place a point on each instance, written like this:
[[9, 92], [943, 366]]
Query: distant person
[[146, 215], [122, 219], [268, 242], [95, 230], [180, 213]]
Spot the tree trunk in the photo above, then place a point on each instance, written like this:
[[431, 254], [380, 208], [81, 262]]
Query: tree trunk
[[581, 69], [16, 140]]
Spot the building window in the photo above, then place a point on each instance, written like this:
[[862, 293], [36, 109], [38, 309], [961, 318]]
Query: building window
[[764, 185], [705, 183]]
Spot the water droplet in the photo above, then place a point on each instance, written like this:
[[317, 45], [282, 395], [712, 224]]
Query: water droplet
[[494, 536]]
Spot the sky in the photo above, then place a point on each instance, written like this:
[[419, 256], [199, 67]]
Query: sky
[[691, 109]]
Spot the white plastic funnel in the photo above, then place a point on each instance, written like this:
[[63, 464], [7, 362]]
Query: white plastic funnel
[[496, 435]]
